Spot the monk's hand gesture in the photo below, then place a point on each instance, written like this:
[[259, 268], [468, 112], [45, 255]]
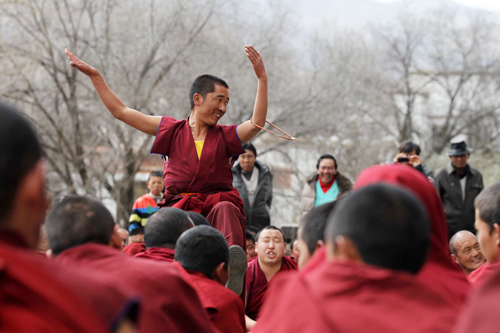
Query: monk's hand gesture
[[80, 65], [256, 60]]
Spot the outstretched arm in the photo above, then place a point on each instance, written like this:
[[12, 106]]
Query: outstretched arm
[[134, 118], [247, 131]]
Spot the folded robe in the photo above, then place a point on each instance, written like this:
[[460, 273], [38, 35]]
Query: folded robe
[[481, 312], [169, 303], [256, 284], [38, 295], [223, 306], [157, 253], [134, 249], [353, 297], [480, 275]]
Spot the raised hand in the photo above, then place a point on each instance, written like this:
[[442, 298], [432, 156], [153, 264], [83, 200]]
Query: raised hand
[[256, 60], [80, 65]]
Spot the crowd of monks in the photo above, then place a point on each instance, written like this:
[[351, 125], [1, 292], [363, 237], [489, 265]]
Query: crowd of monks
[[376, 259]]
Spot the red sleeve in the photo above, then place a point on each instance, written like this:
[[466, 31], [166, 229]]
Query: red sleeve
[[165, 135], [233, 143]]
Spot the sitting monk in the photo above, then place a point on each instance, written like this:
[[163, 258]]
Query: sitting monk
[[311, 232], [82, 232], [376, 241], [162, 231], [203, 252], [487, 224], [466, 252], [36, 294], [135, 242], [269, 261]]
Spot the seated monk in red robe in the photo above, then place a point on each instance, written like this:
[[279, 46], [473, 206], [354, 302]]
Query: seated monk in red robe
[[203, 252], [270, 261], [377, 240], [488, 232], [161, 232], [200, 152], [36, 294], [82, 232], [466, 252]]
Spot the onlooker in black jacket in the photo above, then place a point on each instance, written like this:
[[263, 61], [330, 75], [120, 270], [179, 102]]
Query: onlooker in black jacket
[[254, 182]]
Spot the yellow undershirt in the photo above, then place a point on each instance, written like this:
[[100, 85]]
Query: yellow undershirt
[[199, 147]]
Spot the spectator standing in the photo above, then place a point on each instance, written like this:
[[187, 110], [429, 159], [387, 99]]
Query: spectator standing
[[458, 186], [409, 153], [324, 186], [147, 204], [254, 182]]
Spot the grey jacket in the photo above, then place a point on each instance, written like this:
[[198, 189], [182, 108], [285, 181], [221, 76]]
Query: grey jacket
[[309, 191], [459, 213], [259, 215]]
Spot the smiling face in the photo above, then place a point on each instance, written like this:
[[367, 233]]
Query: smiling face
[[211, 108], [468, 254], [459, 161], [326, 170], [270, 247]]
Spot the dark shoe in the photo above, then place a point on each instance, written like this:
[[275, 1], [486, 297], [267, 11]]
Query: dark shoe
[[237, 268]]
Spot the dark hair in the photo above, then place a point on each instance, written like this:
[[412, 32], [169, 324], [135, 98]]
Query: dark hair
[[155, 174], [197, 218], [313, 224], [326, 156], [250, 236], [408, 146], [291, 243], [201, 249], [137, 231], [388, 225], [203, 85], [165, 226], [249, 146], [20, 150], [488, 204], [78, 220], [270, 227]]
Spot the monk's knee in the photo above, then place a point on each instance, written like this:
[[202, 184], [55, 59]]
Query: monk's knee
[[225, 205]]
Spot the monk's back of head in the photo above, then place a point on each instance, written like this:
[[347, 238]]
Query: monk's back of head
[[388, 226], [78, 220], [165, 226], [202, 249], [197, 218], [20, 154]]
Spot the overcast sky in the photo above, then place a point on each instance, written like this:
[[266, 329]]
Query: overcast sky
[[483, 4]]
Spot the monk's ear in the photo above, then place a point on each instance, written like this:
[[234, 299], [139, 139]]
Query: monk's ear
[[345, 249], [496, 229], [454, 258], [197, 99], [319, 245], [221, 274], [115, 240]]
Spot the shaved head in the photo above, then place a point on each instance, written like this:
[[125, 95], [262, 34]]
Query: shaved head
[[466, 251], [165, 226]]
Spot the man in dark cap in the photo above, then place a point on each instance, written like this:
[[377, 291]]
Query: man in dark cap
[[458, 185]]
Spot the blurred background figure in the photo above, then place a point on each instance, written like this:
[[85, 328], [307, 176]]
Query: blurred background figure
[[254, 182], [409, 154], [147, 204]]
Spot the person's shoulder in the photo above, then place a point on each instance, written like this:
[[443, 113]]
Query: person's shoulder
[[312, 178]]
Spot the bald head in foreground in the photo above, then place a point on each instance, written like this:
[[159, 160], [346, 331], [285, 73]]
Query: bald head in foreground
[[82, 233], [162, 231], [376, 241]]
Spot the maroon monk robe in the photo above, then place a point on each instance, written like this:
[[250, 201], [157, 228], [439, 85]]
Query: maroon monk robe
[[36, 295], [439, 271], [134, 249], [157, 253], [481, 312], [353, 297], [169, 303], [256, 284], [223, 306], [480, 275], [202, 185]]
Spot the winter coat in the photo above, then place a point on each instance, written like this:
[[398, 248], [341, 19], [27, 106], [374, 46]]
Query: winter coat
[[259, 215], [459, 213], [309, 191]]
